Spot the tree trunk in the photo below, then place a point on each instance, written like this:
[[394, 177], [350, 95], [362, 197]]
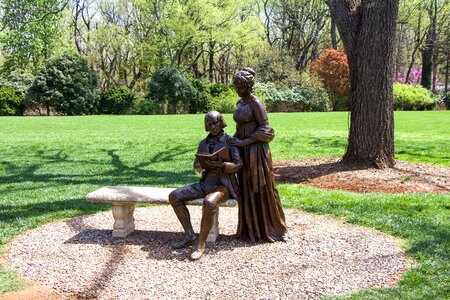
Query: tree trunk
[[418, 42], [398, 54], [367, 29], [446, 75], [211, 61], [427, 62], [428, 51], [334, 39]]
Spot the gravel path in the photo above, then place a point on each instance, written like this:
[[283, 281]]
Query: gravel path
[[324, 256]]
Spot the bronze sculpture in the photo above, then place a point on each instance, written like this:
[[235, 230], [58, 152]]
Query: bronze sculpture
[[217, 184], [261, 216]]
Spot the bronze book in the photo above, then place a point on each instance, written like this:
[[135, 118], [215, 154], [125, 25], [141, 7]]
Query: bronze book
[[221, 154]]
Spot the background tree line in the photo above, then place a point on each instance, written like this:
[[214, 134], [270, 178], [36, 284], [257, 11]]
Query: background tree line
[[178, 56]]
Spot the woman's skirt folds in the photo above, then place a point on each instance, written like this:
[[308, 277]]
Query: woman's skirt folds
[[261, 216]]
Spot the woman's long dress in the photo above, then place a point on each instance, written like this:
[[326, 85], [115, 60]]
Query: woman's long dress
[[261, 217]]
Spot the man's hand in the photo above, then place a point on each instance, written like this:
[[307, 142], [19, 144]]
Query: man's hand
[[199, 170], [214, 164]]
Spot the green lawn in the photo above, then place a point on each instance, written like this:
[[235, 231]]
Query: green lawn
[[49, 164]]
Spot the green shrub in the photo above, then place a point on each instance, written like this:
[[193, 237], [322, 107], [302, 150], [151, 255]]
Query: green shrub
[[339, 102], [218, 89], [225, 102], [275, 66], [278, 100], [116, 100], [143, 106], [10, 101], [171, 89], [300, 98], [66, 85], [446, 100], [19, 80], [215, 96], [314, 92], [201, 102], [412, 97]]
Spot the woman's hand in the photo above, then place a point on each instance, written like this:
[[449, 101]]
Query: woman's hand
[[237, 142], [266, 135]]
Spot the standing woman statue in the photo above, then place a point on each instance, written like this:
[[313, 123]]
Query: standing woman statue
[[261, 217]]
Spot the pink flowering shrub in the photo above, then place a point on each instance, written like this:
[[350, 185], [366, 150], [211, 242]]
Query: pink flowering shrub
[[416, 76]]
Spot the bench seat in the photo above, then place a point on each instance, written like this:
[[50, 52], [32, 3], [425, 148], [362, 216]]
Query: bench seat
[[124, 198]]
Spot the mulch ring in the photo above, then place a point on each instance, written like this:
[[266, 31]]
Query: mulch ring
[[80, 259], [329, 173]]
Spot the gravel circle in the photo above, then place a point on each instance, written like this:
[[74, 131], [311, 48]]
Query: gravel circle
[[324, 256]]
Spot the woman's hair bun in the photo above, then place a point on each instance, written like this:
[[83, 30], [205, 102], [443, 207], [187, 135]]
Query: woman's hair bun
[[250, 70]]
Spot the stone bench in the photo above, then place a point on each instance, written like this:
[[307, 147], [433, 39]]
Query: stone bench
[[124, 198]]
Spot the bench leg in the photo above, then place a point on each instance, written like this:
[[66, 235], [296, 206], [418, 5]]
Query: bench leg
[[214, 233], [123, 219]]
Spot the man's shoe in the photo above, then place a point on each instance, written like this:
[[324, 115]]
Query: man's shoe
[[186, 241], [197, 254]]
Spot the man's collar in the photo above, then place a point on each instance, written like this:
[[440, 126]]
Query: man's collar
[[220, 137]]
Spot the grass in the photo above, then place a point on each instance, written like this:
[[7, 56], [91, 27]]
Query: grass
[[421, 221], [49, 164]]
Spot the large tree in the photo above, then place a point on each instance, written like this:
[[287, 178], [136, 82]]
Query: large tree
[[367, 29], [29, 31]]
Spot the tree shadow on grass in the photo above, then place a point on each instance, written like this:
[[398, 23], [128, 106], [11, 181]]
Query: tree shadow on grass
[[432, 240], [118, 174], [20, 178], [13, 212]]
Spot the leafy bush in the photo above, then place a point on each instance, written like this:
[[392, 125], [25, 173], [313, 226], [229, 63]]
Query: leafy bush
[[332, 69], [314, 92], [218, 89], [66, 85], [411, 97], [116, 100], [278, 100], [225, 102], [215, 96], [173, 91], [201, 102], [339, 102], [19, 80], [143, 106], [10, 101], [276, 67], [446, 100], [309, 95]]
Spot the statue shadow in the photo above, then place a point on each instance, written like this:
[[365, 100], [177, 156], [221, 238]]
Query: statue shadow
[[157, 244], [153, 244]]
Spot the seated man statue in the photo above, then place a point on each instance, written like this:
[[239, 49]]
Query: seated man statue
[[217, 184]]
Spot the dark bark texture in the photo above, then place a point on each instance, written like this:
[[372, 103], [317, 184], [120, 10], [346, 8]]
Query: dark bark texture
[[428, 49], [367, 29]]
